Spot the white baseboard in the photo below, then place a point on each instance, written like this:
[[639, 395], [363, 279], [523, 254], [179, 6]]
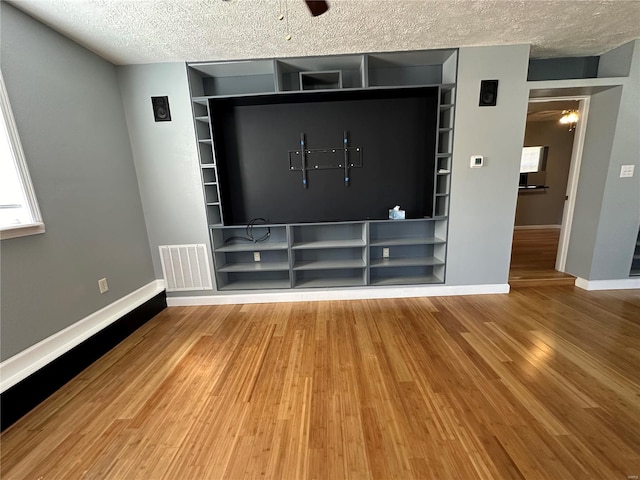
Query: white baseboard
[[337, 294], [622, 284], [23, 364], [536, 227]]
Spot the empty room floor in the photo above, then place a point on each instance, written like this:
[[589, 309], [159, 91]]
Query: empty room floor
[[542, 383], [533, 259]]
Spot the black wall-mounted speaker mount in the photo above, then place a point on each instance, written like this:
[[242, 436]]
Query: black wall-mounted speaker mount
[[161, 112], [488, 93]]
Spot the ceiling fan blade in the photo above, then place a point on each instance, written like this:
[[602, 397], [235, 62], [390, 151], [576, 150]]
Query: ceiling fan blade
[[317, 7]]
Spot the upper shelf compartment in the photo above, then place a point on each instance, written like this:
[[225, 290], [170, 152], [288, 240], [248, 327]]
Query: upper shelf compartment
[[397, 69], [332, 72], [232, 78], [320, 73]]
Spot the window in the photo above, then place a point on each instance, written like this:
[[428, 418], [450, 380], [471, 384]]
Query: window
[[19, 212]]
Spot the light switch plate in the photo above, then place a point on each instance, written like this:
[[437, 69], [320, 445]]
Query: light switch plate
[[627, 171], [477, 161]]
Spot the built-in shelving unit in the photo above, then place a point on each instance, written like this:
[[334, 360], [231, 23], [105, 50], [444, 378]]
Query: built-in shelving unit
[[406, 252], [345, 254], [329, 254], [444, 150], [251, 258], [209, 175]]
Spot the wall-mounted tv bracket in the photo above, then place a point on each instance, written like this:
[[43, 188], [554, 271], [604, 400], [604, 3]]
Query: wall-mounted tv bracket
[[307, 159], [345, 140], [304, 161]]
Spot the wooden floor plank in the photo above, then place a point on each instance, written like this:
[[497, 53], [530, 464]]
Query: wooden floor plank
[[538, 384], [533, 259]]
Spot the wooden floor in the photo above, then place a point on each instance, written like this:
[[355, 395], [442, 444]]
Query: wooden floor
[[542, 383], [533, 259]]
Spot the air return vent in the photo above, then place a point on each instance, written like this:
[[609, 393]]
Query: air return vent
[[185, 267]]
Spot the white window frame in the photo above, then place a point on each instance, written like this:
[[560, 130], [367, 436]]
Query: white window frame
[[37, 225]]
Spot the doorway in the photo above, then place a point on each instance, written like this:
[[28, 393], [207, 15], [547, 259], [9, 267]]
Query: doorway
[[546, 192]]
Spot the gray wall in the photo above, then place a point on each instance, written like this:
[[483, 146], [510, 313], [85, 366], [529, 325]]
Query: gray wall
[[544, 207], [483, 200], [607, 213], [166, 158], [69, 116], [620, 214], [601, 127]]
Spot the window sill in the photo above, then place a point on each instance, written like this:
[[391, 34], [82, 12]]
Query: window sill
[[21, 230]]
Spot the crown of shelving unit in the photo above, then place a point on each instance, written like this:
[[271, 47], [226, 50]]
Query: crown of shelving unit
[[343, 254]]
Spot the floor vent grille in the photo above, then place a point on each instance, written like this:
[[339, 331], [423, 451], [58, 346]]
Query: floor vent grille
[[185, 267]]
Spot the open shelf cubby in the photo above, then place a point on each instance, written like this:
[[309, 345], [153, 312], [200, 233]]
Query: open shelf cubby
[[328, 235], [345, 277], [232, 78], [442, 184], [243, 261], [209, 176], [407, 232], [321, 80], [206, 152], [253, 280], [329, 259], [320, 73], [214, 216], [407, 275], [250, 239], [407, 68]]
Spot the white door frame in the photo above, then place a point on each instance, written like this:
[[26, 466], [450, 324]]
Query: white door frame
[[574, 172]]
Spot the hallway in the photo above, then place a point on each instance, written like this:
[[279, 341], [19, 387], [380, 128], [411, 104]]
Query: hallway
[[533, 258]]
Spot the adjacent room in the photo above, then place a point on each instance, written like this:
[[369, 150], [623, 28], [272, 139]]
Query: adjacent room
[[306, 239], [543, 193]]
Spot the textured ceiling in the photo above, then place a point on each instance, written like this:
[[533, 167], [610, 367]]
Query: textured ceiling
[[549, 111], [143, 31]]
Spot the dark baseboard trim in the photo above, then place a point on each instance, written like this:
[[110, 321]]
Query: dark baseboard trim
[[18, 400]]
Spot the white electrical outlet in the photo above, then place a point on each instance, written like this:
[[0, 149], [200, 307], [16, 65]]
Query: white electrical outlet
[[385, 252], [256, 256], [102, 285], [627, 171]]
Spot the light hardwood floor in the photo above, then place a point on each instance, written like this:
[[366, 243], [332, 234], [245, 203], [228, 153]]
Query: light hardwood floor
[[533, 259], [538, 384]]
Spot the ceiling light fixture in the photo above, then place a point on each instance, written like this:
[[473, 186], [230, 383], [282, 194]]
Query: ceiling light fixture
[[570, 117], [317, 7]]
